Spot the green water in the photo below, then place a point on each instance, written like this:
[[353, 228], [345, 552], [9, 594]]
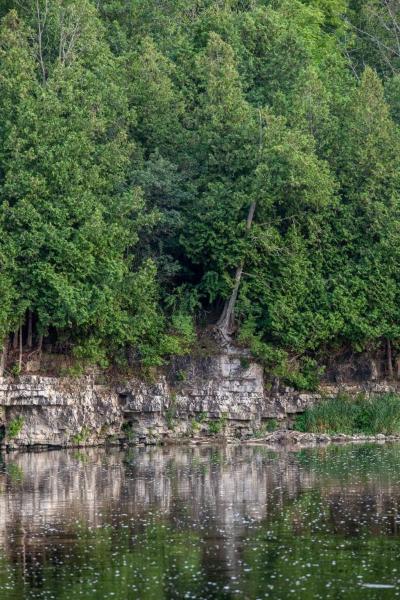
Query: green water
[[200, 522]]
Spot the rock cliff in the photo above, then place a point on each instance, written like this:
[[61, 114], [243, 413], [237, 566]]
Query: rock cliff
[[221, 396]]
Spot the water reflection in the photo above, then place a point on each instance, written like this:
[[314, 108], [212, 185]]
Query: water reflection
[[201, 522]]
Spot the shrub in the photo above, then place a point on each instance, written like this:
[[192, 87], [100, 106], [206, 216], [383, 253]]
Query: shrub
[[302, 374], [129, 431], [215, 427], [271, 425], [91, 352], [15, 370], [81, 437], [181, 375], [14, 427]]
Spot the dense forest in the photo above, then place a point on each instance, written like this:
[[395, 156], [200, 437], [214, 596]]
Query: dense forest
[[168, 166]]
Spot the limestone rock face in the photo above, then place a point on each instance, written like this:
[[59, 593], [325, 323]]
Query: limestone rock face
[[57, 411], [224, 395]]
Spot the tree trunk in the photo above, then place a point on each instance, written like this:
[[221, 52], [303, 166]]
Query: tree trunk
[[29, 336], [225, 323], [40, 346], [15, 339], [20, 349], [389, 359], [3, 357]]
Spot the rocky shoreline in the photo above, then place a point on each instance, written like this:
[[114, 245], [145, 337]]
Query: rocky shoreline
[[224, 398], [276, 440], [298, 438], [288, 438]]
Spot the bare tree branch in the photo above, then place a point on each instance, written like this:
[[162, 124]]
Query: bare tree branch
[[396, 25], [41, 23], [379, 44], [69, 34]]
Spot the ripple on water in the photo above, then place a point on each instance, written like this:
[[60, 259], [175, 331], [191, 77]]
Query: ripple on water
[[201, 522]]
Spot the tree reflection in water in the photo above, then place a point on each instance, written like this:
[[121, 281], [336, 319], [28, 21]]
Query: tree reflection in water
[[201, 522]]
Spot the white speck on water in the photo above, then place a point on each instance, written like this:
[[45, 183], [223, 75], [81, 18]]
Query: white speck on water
[[377, 586]]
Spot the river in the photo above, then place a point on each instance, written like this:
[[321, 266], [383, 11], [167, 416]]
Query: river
[[201, 522]]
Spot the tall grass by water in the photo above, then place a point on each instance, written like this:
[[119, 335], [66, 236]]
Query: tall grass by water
[[343, 414]]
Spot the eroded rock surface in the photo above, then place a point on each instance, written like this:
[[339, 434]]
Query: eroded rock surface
[[219, 396]]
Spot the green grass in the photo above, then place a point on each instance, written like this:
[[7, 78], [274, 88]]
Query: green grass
[[378, 414]]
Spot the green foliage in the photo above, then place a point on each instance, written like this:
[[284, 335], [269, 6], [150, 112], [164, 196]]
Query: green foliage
[[245, 362], [129, 431], [171, 412], [217, 426], [90, 351], [69, 210], [81, 437], [194, 426], [135, 137], [77, 369], [268, 427], [181, 336], [197, 422], [15, 370], [271, 425], [377, 414], [201, 417], [181, 375], [303, 373], [14, 427]]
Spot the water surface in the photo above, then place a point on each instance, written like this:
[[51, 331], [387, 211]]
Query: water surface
[[201, 522]]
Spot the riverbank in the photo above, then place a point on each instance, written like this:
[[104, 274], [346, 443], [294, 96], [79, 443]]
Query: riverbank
[[282, 439], [222, 397]]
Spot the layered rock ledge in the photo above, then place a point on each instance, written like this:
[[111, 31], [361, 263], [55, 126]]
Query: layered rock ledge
[[223, 396]]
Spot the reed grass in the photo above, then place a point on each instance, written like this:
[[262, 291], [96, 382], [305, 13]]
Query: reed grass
[[343, 414]]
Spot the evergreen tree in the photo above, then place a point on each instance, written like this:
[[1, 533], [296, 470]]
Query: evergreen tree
[[369, 172], [238, 161], [67, 206]]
